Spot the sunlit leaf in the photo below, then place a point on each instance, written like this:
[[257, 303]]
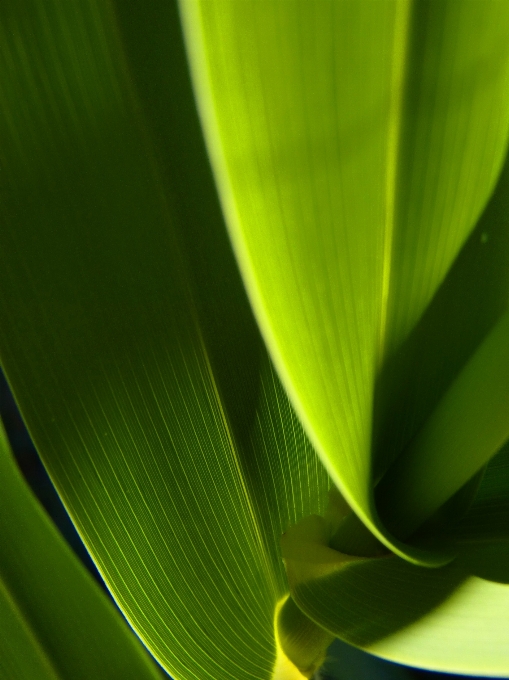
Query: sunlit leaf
[[450, 619], [355, 146], [129, 343]]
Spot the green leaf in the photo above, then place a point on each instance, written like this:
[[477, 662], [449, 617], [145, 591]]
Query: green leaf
[[355, 146], [438, 626], [123, 326], [454, 619], [468, 305], [465, 308], [130, 379], [469, 424], [55, 623], [488, 517], [22, 656]]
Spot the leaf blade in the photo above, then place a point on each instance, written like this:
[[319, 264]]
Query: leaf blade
[[407, 613], [131, 411], [56, 622], [292, 199]]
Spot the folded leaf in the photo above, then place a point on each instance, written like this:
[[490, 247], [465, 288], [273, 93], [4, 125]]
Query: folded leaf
[[355, 146], [55, 622], [406, 613], [179, 468]]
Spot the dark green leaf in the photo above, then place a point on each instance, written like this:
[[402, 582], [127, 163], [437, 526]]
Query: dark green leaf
[[55, 623]]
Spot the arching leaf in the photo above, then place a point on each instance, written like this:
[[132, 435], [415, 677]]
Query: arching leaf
[[55, 623], [355, 146], [179, 484], [452, 619]]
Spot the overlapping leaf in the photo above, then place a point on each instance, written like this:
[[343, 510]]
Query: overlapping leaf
[[125, 333], [452, 619], [55, 623], [179, 466], [431, 617], [410, 614], [355, 146]]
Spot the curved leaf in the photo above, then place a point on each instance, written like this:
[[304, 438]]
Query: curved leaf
[[55, 623], [454, 619], [488, 517], [469, 425], [467, 305], [179, 487], [354, 146]]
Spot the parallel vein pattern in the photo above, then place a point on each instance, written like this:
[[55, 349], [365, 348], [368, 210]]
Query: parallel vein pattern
[[354, 146], [105, 341]]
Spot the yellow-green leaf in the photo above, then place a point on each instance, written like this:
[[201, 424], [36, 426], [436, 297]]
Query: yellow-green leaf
[[354, 145]]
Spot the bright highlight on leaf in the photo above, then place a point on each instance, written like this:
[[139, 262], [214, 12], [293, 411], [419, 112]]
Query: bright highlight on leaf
[[354, 153], [358, 150]]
